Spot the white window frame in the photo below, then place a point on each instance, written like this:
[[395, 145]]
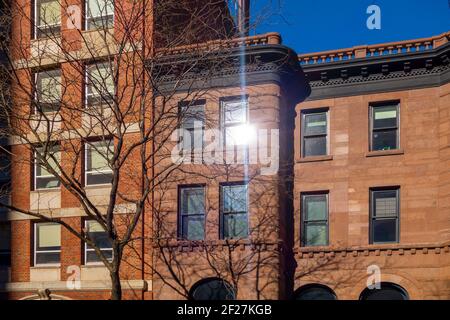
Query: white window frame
[[87, 68], [43, 251], [87, 17], [86, 172], [35, 165], [86, 249], [36, 19], [36, 89]]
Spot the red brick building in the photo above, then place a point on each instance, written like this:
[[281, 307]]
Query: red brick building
[[358, 187]]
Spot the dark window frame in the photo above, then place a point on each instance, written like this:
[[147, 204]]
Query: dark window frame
[[181, 214], [181, 106], [372, 216], [304, 114], [304, 221], [380, 104], [222, 213]]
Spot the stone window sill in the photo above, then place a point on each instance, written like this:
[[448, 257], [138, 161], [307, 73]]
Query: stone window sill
[[383, 153], [315, 159]]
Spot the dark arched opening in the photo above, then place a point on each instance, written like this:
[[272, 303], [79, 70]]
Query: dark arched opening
[[314, 292], [212, 289], [387, 291]]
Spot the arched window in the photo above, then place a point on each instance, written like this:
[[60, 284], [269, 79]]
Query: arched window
[[315, 292], [212, 289], [387, 291]]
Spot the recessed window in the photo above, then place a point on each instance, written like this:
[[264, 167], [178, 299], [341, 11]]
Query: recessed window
[[192, 213], [99, 84], [387, 291], [385, 119], [46, 161], [98, 162], [47, 18], [99, 14], [234, 211], [98, 235], [47, 243], [384, 213], [315, 219], [212, 289], [5, 244], [314, 133], [192, 125], [48, 90]]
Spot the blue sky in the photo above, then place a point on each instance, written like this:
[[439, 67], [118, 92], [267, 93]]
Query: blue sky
[[317, 25]]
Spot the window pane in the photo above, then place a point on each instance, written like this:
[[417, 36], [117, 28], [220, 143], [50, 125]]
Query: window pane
[[193, 200], [315, 124], [316, 207], [91, 256], [49, 86], [47, 182], [193, 139], [315, 146], [193, 227], [385, 203], [99, 155], [385, 230], [48, 236], [385, 117], [100, 79], [315, 293], [47, 257], [49, 13], [98, 178], [98, 8], [235, 112], [234, 198], [98, 235], [384, 140], [192, 116], [235, 225], [316, 235]]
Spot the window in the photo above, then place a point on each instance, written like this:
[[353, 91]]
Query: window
[[98, 235], [384, 213], [314, 133], [98, 157], [47, 243], [315, 219], [99, 14], [212, 289], [234, 214], [44, 160], [387, 291], [48, 90], [47, 18], [192, 213], [5, 244], [235, 122], [192, 122], [315, 292], [384, 126], [99, 84]]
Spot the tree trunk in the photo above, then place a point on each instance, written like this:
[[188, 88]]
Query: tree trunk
[[116, 288]]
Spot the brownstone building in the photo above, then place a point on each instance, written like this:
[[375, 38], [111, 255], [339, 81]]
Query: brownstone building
[[350, 185]]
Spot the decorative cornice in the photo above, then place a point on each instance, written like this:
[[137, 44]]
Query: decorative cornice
[[372, 250]]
